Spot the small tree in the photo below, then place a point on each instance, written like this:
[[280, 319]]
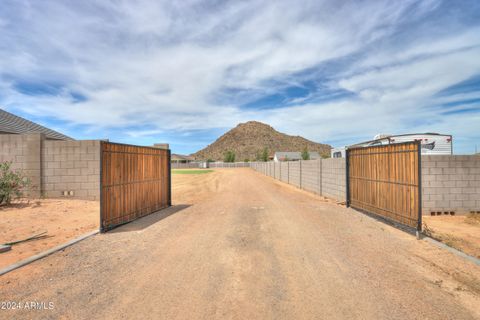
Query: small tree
[[12, 183], [305, 154], [246, 160], [264, 155], [229, 156]]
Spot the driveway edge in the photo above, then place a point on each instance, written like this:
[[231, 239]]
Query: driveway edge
[[452, 250], [48, 252]]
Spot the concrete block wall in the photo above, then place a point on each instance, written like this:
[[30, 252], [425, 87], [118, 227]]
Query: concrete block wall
[[24, 152], [334, 178], [54, 166], [191, 165], [72, 165], [450, 183], [276, 169], [282, 172], [311, 175], [229, 164], [325, 177], [294, 173]]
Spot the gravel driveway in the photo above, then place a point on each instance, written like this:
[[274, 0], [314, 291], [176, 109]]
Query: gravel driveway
[[239, 245]]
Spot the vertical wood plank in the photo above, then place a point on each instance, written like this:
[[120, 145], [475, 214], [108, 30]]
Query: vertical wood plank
[[384, 180], [135, 182]]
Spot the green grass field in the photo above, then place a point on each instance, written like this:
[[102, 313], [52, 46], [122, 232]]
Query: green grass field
[[180, 171]]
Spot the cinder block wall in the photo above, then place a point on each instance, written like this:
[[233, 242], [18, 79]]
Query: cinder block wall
[[293, 173], [274, 170], [72, 166], [450, 183], [334, 178], [325, 177], [24, 153], [54, 166], [311, 176]]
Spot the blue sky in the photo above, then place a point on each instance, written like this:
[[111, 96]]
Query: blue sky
[[185, 72]]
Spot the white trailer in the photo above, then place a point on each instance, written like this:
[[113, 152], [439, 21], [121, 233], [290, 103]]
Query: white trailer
[[432, 143], [338, 152]]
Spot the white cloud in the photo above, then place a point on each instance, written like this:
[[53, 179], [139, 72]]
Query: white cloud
[[166, 65], [416, 79]]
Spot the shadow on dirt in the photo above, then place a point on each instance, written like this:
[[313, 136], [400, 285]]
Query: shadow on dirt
[[149, 220]]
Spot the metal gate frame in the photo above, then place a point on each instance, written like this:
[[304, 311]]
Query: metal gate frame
[[169, 184], [419, 170]]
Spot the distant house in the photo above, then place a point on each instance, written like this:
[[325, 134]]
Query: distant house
[[294, 156], [178, 158], [12, 124]]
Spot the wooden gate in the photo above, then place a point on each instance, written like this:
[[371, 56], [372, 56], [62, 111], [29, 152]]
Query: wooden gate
[[386, 181], [134, 181]]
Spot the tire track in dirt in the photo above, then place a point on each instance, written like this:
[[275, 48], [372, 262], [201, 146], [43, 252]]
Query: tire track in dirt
[[247, 246]]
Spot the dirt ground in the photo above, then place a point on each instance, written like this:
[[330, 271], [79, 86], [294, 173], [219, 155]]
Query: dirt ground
[[62, 219], [460, 232], [240, 245]]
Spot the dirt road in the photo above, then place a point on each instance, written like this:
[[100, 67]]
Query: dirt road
[[239, 245]]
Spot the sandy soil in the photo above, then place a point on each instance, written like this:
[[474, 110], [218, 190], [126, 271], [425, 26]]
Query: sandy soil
[[62, 219], [460, 232], [239, 245]]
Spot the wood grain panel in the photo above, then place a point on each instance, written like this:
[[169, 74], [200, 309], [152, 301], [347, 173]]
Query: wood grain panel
[[134, 181], [385, 180]]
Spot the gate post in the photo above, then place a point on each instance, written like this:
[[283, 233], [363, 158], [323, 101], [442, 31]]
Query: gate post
[[101, 187], [169, 165], [347, 177], [419, 164]]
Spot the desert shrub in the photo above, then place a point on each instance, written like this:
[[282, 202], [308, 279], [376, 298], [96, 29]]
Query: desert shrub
[[264, 155], [246, 160], [305, 154], [12, 183], [229, 156]]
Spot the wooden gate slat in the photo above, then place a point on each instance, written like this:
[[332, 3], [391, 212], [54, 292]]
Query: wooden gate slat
[[135, 181], [386, 180]]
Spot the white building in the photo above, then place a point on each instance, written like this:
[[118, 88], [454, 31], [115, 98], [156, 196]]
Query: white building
[[432, 143]]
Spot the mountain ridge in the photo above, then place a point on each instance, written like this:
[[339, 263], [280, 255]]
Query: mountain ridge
[[249, 139]]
